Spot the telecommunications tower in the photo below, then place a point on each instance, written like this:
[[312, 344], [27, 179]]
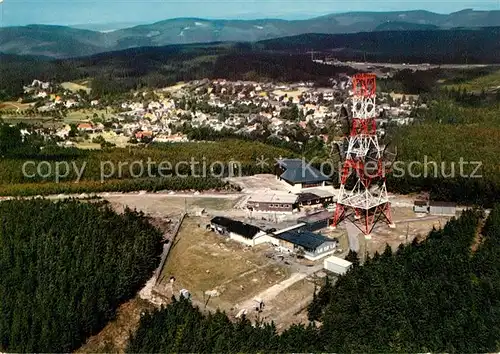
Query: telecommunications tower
[[363, 195]]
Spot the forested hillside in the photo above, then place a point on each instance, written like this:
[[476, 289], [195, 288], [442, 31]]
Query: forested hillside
[[174, 166], [63, 41], [65, 267], [446, 134], [440, 295]]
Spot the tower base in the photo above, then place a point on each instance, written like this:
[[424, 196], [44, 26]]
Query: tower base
[[364, 219]]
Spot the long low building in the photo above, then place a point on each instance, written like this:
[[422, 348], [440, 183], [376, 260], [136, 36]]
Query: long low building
[[315, 197], [272, 202], [337, 265], [247, 234]]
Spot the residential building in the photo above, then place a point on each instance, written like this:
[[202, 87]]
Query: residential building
[[86, 127]]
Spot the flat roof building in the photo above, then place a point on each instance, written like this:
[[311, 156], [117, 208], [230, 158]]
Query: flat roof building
[[442, 208], [421, 206], [272, 202], [337, 265]]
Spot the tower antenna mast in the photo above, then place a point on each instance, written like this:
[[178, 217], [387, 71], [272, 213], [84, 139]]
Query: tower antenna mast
[[365, 200]]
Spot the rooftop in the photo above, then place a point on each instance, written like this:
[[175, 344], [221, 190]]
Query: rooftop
[[340, 261], [320, 192], [238, 227], [306, 239], [443, 204], [319, 216], [297, 170]]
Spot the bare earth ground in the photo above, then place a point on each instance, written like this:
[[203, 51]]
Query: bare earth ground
[[251, 184], [408, 227], [202, 261], [164, 205], [114, 337], [290, 306]]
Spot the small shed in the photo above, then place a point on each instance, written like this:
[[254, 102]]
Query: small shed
[[442, 208], [337, 265], [421, 206]]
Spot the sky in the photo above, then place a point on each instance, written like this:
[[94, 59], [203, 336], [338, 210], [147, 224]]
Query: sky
[[73, 12]]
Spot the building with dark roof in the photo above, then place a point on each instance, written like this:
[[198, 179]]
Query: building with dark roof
[[310, 199], [314, 246], [442, 208], [317, 221], [247, 234], [299, 174], [291, 239]]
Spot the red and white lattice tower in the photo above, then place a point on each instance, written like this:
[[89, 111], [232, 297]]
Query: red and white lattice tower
[[366, 202]]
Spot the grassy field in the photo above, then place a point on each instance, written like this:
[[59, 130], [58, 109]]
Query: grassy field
[[201, 261], [84, 115], [487, 82]]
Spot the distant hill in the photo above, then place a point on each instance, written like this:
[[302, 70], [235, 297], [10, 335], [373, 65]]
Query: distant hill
[[462, 46], [283, 59], [63, 42], [404, 26]]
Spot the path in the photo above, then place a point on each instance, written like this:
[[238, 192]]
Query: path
[[352, 234], [13, 105]]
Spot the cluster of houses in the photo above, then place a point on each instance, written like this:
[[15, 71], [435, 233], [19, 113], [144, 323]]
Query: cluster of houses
[[239, 106], [54, 96]]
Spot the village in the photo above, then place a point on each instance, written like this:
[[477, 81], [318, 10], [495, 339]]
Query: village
[[72, 115]]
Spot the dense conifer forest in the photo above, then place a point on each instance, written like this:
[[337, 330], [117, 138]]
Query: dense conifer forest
[[440, 295], [65, 267]]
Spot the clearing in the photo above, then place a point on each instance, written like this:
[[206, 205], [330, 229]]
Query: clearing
[[158, 205], [12, 105], [201, 261], [74, 87], [486, 82]]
